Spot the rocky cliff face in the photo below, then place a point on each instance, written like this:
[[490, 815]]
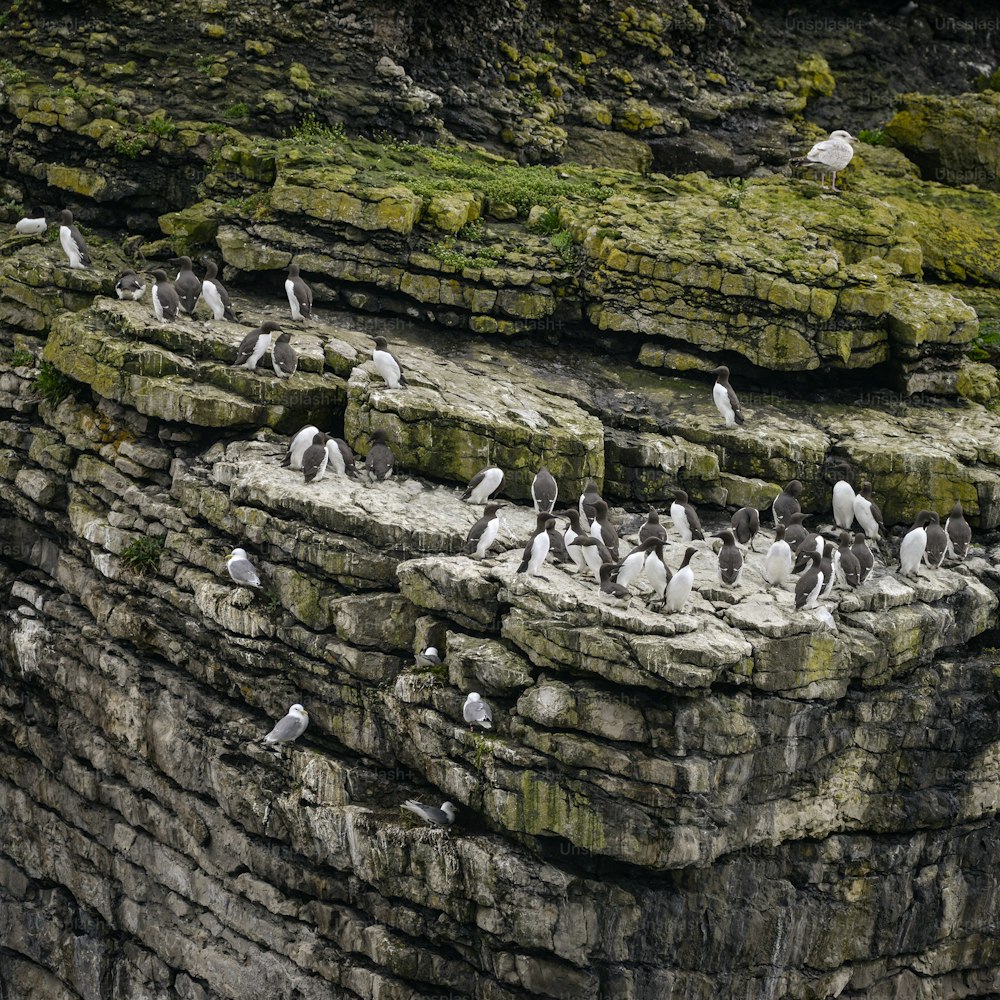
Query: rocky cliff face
[[732, 801]]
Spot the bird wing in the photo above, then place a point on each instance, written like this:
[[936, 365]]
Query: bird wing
[[81, 245], [285, 358], [289, 728], [242, 571], [478, 711], [429, 813], [473, 483], [402, 376], [475, 533]]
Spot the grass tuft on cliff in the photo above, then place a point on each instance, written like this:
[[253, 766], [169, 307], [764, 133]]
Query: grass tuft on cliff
[[52, 385], [142, 555]]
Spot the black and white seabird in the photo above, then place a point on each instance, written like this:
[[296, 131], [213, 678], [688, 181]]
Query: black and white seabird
[[297, 447], [165, 301], [544, 491], [632, 565], [829, 157], [746, 524], [33, 224], [812, 542], [573, 530], [959, 532], [215, 294], [849, 564], [937, 542], [843, 504], [483, 485], [188, 285], [866, 561], [315, 459], [477, 712], [130, 286], [726, 400], [484, 532], [594, 552], [284, 360], [588, 502], [808, 586], [73, 244], [300, 296], [730, 560], [679, 587], [911, 548], [656, 571], [828, 567], [557, 547], [685, 518], [868, 514], [538, 546], [652, 528], [379, 460], [341, 458], [603, 530], [255, 345], [795, 531], [609, 588], [778, 561], [787, 503], [387, 365]]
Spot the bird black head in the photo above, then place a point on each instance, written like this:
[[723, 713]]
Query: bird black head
[[160, 275], [269, 326], [293, 270]]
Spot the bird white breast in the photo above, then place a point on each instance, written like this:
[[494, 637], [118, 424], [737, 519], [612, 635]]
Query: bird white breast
[[260, 349], [293, 302], [69, 245], [679, 516], [843, 504], [386, 366], [654, 571], [31, 227], [863, 512], [213, 298], [539, 550], [834, 154], [157, 305], [335, 458], [679, 589], [631, 568], [721, 396], [488, 537], [778, 563], [491, 481], [911, 551], [814, 593]]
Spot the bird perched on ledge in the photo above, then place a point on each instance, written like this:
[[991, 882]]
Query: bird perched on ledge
[[829, 157]]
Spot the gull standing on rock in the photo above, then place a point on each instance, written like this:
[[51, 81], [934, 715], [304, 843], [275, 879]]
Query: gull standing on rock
[[215, 294], [255, 345], [484, 532], [73, 244], [544, 491], [477, 712], [538, 546], [959, 532], [241, 569], [165, 301], [786, 503], [726, 400], [843, 504], [130, 286], [483, 485], [291, 727], [685, 518], [911, 548], [300, 296], [284, 360], [730, 560], [441, 818], [387, 365], [830, 156], [33, 224], [778, 561], [187, 285], [297, 448], [679, 587], [315, 459], [379, 460]]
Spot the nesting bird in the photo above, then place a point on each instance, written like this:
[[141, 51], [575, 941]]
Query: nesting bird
[[187, 285], [284, 360], [829, 156], [165, 301], [483, 485], [33, 224], [544, 491], [387, 365], [484, 532], [214, 293], [130, 286], [441, 818], [300, 296], [380, 459], [73, 244], [290, 728], [477, 712], [726, 400], [255, 345]]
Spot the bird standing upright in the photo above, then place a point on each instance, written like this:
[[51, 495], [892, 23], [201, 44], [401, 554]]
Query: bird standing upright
[[73, 244], [300, 296], [843, 504], [544, 491], [483, 533], [730, 560], [290, 728], [214, 293], [387, 365], [483, 485], [786, 503], [187, 285], [380, 459], [685, 518], [315, 459], [679, 587], [958, 531], [538, 546], [165, 301], [255, 345], [778, 561], [726, 400], [829, 157], [284, 360], [911, 548]]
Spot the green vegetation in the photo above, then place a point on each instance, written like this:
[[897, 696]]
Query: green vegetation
[[437, 671], [128, 144], [10, 74], [157, 125], [448, 253], [20, 358], [482, 750], [874, 137], [986, 347], [238, 110], [313, 131], [142, 555], [548, 223], [736, 189], [562, 243], [472, 232], [52, 385], [531, 97]]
